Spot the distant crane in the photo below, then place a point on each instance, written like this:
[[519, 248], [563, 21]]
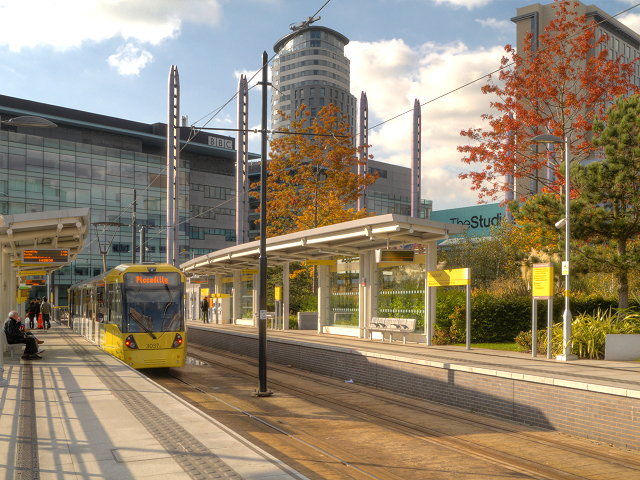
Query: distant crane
[[304, 24]]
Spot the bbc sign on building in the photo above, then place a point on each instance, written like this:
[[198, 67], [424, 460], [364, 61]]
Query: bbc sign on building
[[479, 218]]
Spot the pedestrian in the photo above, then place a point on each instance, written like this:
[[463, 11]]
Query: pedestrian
[[36, 311], [31, 312], [45, 309], [204, 305], [16, 333]]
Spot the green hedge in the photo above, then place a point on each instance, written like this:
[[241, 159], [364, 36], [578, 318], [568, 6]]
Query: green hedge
[[501, 319]]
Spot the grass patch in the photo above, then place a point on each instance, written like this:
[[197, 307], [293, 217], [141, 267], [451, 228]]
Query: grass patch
[[509, 346]]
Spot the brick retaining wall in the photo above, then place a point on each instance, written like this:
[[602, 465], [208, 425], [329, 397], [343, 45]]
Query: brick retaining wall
[[603, 417]]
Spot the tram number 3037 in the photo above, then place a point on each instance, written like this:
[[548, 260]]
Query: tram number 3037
[[153, 345]]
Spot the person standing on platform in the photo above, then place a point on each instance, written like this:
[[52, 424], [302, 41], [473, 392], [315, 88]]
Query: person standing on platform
[[204, 305], [36, 310], [31, 312], [45, 309], [16, 334]]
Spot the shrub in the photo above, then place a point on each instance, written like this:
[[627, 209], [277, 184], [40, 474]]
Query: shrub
[[524, 341], [588, 333], [442, 336]]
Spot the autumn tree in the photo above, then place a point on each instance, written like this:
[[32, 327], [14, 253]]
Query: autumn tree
[[313, 174], [557, 86]]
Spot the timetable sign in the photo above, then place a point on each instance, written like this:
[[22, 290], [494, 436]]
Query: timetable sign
[[48, 256]]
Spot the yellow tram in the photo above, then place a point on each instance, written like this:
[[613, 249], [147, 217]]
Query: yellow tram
[[135, 313]]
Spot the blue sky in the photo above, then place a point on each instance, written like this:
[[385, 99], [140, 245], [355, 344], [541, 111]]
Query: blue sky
[[113, 57]]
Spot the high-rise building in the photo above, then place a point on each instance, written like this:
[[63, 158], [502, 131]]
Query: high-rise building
[[310, 68], [622, 41]]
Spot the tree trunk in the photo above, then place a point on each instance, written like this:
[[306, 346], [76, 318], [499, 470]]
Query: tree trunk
[[623, 279]]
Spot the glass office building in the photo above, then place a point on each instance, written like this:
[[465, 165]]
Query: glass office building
[[97, 161]]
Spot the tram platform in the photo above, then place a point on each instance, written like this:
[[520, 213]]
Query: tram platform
[[592, 399], [79, 413]]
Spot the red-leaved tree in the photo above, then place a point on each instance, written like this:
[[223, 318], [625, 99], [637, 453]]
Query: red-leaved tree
[[557, 88]]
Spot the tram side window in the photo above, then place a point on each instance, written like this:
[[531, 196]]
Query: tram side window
[[100, 304], [115, 305]]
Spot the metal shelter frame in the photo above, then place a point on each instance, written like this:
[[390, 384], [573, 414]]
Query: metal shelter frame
[[355, 238], [63, 229]]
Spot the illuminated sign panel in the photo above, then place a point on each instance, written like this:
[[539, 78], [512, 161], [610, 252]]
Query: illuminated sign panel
[[49, 256], [406, 256], [36, 282], [150, 280]]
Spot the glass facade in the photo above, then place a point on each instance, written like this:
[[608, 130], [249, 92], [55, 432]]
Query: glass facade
[[44, 174]]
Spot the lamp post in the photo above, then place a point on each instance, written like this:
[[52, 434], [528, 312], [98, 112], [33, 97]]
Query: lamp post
[[5, 284], [566, 316]]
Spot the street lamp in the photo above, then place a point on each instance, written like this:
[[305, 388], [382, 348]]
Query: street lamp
[[566, 316]]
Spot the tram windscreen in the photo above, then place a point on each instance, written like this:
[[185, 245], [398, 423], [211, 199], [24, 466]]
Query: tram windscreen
[[153, 302]]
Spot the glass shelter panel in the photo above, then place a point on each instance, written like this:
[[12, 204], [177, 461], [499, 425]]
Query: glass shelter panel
[[401, 290], [344, 306], [246, 300]]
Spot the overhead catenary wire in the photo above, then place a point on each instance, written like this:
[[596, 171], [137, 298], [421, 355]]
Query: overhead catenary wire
[[493, 72]]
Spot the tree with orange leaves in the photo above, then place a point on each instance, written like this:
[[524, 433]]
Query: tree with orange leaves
[[313, 179], [557, 88]]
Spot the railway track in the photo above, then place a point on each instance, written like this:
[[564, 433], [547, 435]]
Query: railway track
[[404, 437]]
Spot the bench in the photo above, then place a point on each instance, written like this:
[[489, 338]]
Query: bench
[[392, 325], [19, 347]]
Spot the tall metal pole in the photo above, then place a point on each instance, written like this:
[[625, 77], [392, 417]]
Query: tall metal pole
[[262, 283], [566, 317], [133, 230]]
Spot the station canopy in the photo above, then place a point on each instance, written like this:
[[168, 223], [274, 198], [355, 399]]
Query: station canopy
[[342, 239], [56, 229]]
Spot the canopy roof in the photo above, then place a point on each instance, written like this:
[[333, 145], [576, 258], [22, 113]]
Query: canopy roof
[[57, 229], [348, 238]]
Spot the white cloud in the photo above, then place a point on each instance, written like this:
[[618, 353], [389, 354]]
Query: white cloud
[[631, 20], [394, 74], [470, 4], [69, 24], [496, 24], [130, 59]]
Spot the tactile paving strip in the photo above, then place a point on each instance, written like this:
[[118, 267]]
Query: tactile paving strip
[[193, 457], [27, 442]]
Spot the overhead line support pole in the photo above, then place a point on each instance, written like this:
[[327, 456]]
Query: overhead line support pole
[[262, 283]]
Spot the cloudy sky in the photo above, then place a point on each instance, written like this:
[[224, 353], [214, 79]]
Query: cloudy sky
[[113, 57]]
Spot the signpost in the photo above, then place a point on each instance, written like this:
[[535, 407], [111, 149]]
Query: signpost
[[449, 278], [542, 290]]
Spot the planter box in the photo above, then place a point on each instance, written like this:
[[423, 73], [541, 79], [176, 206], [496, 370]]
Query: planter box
[[622, 348]]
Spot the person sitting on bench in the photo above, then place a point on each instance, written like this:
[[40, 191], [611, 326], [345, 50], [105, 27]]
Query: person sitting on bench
[[16, 333]]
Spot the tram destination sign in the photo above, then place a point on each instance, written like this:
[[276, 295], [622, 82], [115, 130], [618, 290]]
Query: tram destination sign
[[48, 256]]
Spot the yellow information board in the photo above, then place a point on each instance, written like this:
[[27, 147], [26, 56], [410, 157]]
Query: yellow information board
[[251, 271], [310, 263], [220, 295], [227, 280], [204, 292], [449, 278], [542, 281], [278, 292]]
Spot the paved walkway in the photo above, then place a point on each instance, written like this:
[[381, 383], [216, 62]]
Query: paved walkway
[[81, 414], [616, 378]]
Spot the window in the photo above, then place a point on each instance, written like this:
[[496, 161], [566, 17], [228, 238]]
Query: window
[[322, 92], [321, 102], [312, 91]]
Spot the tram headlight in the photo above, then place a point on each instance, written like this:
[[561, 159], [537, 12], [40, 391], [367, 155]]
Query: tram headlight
[[130, 342], [177, 341]]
